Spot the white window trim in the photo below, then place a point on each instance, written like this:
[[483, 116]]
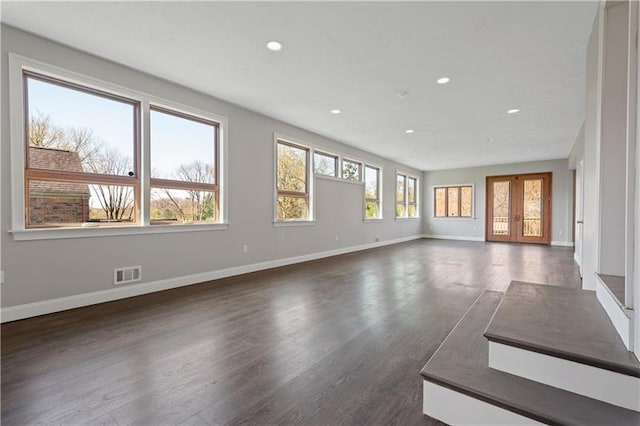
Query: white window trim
[[310, 182], [406, 195], [380, 217], [17, 64], [461, 218]]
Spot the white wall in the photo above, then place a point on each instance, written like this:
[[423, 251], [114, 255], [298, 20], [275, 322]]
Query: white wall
[[613, 142], [591, 150], [48, 269], [561, 199]]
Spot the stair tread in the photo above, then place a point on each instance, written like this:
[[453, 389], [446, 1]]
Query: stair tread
[[461, 364], [561, 322]]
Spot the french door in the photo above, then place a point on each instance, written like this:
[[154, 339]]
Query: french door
[[519, 208]]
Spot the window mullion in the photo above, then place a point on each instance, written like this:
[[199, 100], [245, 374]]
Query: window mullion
[[144, 148]]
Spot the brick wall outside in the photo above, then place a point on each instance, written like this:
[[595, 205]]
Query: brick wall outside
[[43, 210]]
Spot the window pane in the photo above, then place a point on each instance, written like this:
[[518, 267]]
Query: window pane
[[182, 149], [79, 204], [412, 210], [465, 201], [440, 194], [292, 208], [350, 170], [324, 164], [400, 210], [400, 182], [76, 131], [372, 210], [292, 168], [411, 190], [371, 182], [453, 201], [178, 206]]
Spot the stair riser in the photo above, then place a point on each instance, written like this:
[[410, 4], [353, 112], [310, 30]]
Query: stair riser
[[607, 386], [455, 408]]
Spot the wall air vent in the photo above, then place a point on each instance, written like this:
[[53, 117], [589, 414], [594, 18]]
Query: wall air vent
[[127, 274]]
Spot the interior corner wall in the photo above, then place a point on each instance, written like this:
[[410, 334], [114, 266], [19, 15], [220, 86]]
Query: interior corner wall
[[51, 269], [474, 229], [591, 245]]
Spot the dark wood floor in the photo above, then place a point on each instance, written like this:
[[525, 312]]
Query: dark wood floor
[[334, 341]]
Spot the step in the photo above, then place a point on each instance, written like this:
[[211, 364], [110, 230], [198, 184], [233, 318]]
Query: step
[[563, 338], [460, 388]]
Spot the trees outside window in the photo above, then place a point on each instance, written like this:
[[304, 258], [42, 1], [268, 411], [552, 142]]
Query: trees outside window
[[83, 149], [351, 170], [372, 192], [292, 186], [406, 196], [453, 201]]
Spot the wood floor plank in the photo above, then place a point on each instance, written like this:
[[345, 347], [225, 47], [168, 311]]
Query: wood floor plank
[[333, 341]]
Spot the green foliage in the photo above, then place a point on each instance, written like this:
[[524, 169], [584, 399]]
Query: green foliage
[[292, 177]]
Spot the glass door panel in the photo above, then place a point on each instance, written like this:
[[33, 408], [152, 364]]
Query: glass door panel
[[532, 208], [501, 203]]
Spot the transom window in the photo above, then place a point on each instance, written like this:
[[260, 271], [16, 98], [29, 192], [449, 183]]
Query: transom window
[[82, 158], [351, 170], [406, 196], [292, 182], [325, 164], [372, 192], [453, 201]]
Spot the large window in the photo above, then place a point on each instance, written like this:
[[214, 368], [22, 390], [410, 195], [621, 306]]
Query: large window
[[372, 196], [453, 201], [184, 168], [81, 155], [292, 182], [83, 143], [406, 196]]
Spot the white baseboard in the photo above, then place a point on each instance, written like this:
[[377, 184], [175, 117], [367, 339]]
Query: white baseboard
[[452, 237], [28, 310], [597, 383], [455, 408], [620, 320], [562, 243]]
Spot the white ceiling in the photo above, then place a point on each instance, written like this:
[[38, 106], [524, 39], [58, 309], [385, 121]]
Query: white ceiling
[[356, 56]]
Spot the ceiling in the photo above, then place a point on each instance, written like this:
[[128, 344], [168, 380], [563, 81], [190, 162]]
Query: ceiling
[[356, 57]]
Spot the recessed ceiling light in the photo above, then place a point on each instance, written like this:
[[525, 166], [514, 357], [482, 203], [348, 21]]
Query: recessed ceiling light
[[443, 80], [275, 46], [335, 111], [408, 131], [513, 111]]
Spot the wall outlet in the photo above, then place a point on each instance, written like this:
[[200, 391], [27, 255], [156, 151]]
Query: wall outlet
[[377, 238], [245, 248], [337, 238], [127, 274], [1, 277]]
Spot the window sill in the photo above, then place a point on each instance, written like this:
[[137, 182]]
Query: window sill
[[112, 231], [293, 223], [375, 220], [339, 179], [404, 219]]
